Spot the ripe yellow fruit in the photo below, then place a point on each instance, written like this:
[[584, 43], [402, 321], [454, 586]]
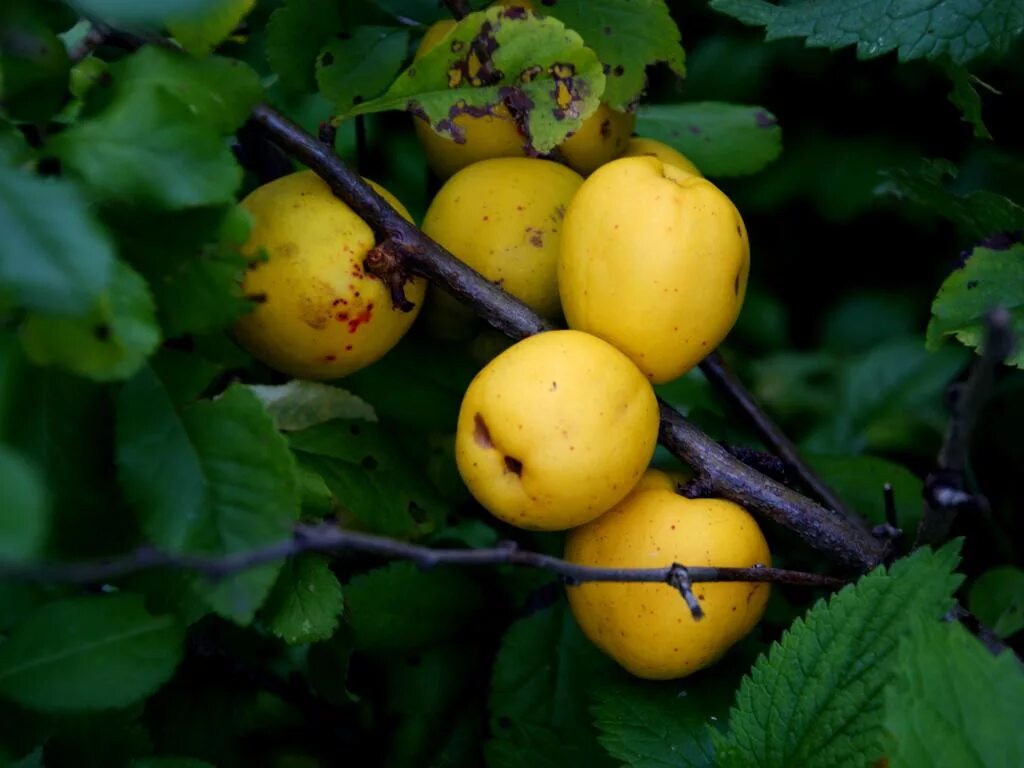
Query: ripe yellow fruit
[[637, 147], [648, 628], [659, 479], [602, 137], [503, 217], [555, 430], [320, 316], [655, 261]]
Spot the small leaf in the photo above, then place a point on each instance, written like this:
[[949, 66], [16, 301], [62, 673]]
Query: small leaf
[[628, 36], [296, 31], [305, 604], [997, 599], [301, 404], [89, 653], [959, 29], [721, 139], [112, 341], [200, 33], [400, 607], [988, 279], [977, 214], [54, 256], [25, 511], [361, 65], [816, 698], [965, 97], [952, 702], [536, 69]]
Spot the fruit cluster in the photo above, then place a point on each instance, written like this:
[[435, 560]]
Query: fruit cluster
[[647, 262]]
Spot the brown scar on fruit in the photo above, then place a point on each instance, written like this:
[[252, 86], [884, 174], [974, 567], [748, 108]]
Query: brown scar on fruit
[[606, 129], [736, 283], [535, 236], [514, 465], [481, 434]]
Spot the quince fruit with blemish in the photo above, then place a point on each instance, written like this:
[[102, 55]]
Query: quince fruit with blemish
[[503, 217], [654, 260], [555, 430], [648, 628], [319, 314]]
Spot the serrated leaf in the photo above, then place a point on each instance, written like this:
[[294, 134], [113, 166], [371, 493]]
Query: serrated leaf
[[25, 511], [400, 607], [662, 725], [306, 603], [89, 653], [997, 599], [543, 680], [218, 91], [535, 68], [54, 256], [364, 466], [110, 342], [200, 33], [216, 479], [960, 29], [360, 65], [301, 404], [295, 33], [148, 148], [977, 214], [988, 279], [859, 481], [721, 139], [131, 12], [952, 702], [628, 36], [816, 698], [965, 97]]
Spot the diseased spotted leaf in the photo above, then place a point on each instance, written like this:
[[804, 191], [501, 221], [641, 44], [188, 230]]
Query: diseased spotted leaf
[[360, 65], [959, 29], [296, 32], [720, 139], [535, 70]]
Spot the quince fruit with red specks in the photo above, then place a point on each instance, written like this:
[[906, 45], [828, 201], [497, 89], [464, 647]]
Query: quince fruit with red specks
[[318, 313]]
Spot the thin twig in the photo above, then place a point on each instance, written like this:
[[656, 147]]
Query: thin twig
[[327, 538], [820, 528], [945, 489], [717, 371]]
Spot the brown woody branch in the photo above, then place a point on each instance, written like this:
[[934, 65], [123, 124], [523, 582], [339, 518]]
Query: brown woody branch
[[328, 538], [847, 542]]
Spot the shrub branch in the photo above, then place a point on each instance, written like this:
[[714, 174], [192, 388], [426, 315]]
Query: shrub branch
[[820, 528]]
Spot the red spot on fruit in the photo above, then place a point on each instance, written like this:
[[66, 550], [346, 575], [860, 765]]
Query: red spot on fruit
[[336, 302], [330, 358], [342, 317], [348, 347], [363, 317]]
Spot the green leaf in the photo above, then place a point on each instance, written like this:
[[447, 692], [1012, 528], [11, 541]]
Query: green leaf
[[859, 481], [200, 33], [148, 148], [628, 36], [132, 12], [977, 214], [216, 479], [960, 29], [400, 607], [952, 702], [301, 404], [170, 762], [89, 653], [109, 342], [361, 65], [305, 604], [543, 680], [539, 70], [218, 91], [295, 33], [366, 470], [988, 279], [25, 511], [662, 725], [997, 599], [720, 139], [34, 64], [816, 698], [54, 256], [965, 97]]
